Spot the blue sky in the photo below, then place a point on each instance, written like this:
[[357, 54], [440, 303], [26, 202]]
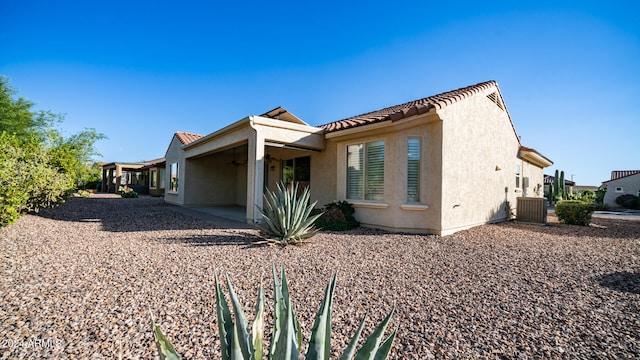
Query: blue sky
[[138, 71]]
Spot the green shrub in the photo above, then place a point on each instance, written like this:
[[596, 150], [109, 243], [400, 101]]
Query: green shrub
[[287, 217], [28, 182], [127, 192], [239, 341], [628, 201], [574, 212], [338, 216]]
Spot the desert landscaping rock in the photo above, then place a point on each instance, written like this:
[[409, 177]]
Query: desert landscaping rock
[[79, 282]]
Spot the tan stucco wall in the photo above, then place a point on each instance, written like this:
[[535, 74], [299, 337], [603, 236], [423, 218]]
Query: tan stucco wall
[[629, 184], [535, 175], [174, 154], [478, 138], [213, 177], [323, 175], [394, 212]]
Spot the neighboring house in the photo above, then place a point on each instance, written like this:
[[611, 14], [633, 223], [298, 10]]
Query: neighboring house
[[621, 182], [137, 175], [435, 165], [569, 185], [155, 172], [116, 174]]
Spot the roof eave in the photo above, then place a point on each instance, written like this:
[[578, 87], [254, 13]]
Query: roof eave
[[534, 157]]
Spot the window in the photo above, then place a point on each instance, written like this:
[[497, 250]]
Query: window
[[163, 173], [413, 170], [152, 178], [296, 170], [619, 189], [517, 176], [365, 171], [174, 177]]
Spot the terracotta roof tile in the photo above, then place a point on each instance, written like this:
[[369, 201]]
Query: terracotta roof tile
[[408, 109], [187, 137], [617, 174], [154, 161]]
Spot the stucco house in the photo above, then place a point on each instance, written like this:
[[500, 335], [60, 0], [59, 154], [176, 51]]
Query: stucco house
[[569, 185], [155, 173], [621, 182], [435, 165], [116, 174]]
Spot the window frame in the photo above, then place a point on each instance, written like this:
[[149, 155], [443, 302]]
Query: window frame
[[619, 189], [176, 188], [153, 183], [163, 175], [417, 198], [368, 170], [518, 176]]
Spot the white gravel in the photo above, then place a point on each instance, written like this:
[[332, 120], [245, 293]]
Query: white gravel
[[77, 282]]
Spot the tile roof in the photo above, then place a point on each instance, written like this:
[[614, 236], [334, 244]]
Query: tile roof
[[154, 161], [548, 179], [410, 108], [617, 174], [187, 137]]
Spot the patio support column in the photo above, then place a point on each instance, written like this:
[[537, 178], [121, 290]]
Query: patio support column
[[104, 179], [118, 178], [255, 177]]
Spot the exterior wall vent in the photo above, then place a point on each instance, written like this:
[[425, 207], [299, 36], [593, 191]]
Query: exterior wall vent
[[532, 209], [495, 98]]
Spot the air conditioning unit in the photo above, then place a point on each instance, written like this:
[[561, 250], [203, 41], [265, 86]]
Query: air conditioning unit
[[531, 209]]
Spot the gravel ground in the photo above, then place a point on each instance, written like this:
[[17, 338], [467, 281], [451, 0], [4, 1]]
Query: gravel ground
[[78, 282]]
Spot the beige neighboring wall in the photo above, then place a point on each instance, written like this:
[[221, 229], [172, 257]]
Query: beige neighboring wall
[[479, 153], [629, 184]]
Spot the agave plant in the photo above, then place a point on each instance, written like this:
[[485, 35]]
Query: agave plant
[[165, 348], [237, 341], [287, 217]]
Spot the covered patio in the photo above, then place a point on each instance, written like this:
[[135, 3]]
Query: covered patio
[[228, 170]]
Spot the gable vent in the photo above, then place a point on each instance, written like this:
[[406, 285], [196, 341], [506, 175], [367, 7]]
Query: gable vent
[[495, 98]]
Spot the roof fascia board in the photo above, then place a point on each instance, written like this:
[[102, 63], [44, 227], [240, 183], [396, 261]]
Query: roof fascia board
[[535, 158], [259, 120], [225, 130]]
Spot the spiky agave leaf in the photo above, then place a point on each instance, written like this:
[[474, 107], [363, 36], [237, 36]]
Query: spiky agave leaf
[[225, 323], [351, 348], [320, 340], [286, 216], [285, 342], [385, 348], [165, 348], [241, 336], [371, 347], [257, 330], [278, 312]]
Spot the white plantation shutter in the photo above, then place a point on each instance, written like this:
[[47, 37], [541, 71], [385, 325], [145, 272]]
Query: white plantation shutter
[[374, 170], [355, 165], [413, 170]]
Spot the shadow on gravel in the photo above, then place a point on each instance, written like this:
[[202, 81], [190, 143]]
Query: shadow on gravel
[[623, 281], [600, 228], [125, 215], [217, 240]]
